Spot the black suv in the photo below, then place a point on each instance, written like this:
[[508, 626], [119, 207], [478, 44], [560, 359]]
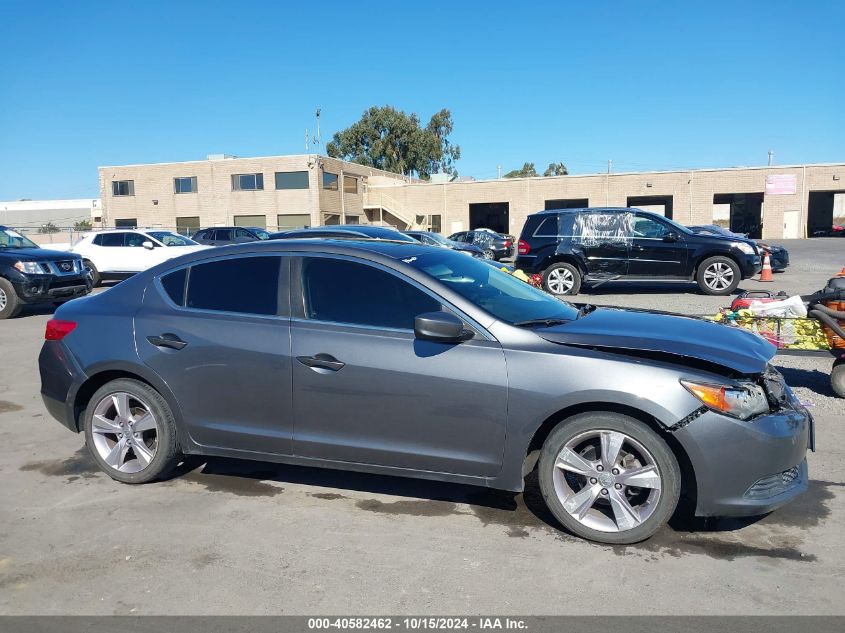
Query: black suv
[[568, 246], [30, 274], [494, 245], [225, 235]]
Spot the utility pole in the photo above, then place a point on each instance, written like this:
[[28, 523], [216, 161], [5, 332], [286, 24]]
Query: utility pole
[[609, 165], [498, 172], [771, 157]]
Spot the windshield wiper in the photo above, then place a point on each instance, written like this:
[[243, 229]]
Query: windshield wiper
[[547, 322], [585, 309]]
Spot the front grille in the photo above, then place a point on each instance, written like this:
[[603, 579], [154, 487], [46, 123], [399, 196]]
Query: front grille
[[66, 266], [66, 283], [774, 484]]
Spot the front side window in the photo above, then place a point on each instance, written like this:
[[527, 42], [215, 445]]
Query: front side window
[[188, 184], [291, 180], [248, 285], [247, 182], [498, 293], [350, 184], [648, 228], [136, 239], [342, 291], [329, 181], [123, 187]]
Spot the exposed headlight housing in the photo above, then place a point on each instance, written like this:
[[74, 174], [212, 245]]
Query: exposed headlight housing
[[744, 400], [745, 247], [30, 268]]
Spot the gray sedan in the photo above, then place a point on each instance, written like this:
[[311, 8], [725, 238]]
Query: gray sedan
[[409, 360]]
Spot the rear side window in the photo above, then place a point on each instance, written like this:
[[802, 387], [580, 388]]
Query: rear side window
[[109, 239], [341, 291], [174, 285], [223, 234], [249, 285]]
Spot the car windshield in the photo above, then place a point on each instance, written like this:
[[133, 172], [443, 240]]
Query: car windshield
[[436, 237], [12, 239], [502, 295], [261, 233], [171, 239]]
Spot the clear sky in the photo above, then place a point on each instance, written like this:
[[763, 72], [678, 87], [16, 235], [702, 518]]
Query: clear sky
[[652, 85]]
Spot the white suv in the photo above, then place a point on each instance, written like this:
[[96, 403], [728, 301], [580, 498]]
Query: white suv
[[119, 253]]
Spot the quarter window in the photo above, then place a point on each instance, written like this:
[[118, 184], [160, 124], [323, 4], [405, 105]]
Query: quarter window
[[174, 285], [547, 228], [249, 285], [187, 184], [291, 180], [247, 182], [123, 187], [341, 291], [329, 181]]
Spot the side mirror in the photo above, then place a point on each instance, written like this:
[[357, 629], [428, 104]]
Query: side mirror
[[148, 245], [671, 236], [440, 326]]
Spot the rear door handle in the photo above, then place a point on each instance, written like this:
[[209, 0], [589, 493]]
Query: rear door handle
[[321, 361], [167, 340]]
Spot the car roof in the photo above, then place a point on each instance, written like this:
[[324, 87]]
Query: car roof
[[591, 210]]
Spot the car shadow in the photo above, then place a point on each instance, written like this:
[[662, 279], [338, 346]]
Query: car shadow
[[813, 379], [656, 287]]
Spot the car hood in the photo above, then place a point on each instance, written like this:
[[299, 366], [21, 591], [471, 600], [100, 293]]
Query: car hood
[[617, 330], [34, 254]]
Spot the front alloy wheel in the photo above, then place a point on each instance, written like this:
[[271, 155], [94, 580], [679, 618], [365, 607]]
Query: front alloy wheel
[[609, 478], [718, 276]]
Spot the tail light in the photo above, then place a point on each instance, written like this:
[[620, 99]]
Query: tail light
[[58, 329], [523, 248], [507, 243]]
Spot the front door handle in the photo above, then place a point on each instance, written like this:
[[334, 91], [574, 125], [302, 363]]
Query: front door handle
[[167, 340], [321, 361]]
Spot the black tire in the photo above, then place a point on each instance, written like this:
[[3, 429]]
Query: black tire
[[167, 453], [710, 283], [837, 378], [667, 466], [9, 297], [95, 274], [568, 275]]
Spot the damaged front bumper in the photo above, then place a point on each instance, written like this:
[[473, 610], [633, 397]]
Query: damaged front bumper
[[747, 467]]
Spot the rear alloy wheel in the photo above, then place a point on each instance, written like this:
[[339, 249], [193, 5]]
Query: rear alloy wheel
[[609, 478], [130, 432], [718, 276], [489, 254], [92, 270], [10, 305], [562, 279]]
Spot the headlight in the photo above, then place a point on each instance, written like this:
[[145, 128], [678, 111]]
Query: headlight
[[741, 401], [31, 268], [745, 247]]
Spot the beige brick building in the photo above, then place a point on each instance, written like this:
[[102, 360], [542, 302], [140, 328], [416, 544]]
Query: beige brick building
[[289, 191]]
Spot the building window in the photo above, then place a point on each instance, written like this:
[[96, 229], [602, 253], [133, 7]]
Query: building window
[[350, 184], [187, 184], [187, 225], [436, 224], [259, 221], [329, 181], [247, 182], [127, 223], [123, 187], [293, 221], [291, 180]]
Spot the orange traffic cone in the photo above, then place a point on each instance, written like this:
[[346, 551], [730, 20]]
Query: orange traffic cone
[[766, 273]]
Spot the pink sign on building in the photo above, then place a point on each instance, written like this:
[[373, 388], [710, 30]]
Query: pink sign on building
[[780, 185]]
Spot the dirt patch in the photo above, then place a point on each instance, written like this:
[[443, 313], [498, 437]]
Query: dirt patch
[[329, 496], [81, 464], [8, 407]]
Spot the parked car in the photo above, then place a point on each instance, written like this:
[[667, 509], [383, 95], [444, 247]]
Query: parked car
[[31, 275], [223, 235], [778, 255], [571, 246], [367, 231], [492, 244], [119, 253], [405, 359], [435, 239]]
